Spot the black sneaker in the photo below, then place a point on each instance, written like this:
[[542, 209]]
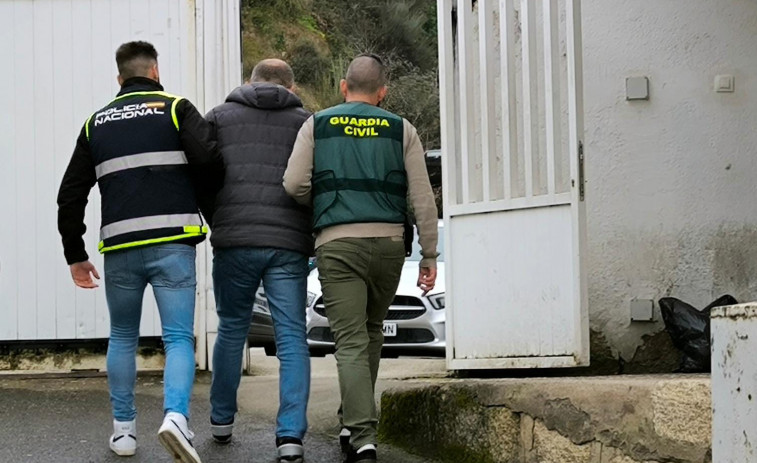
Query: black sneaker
[[366, 456], [344, 442], [289, 450], [221, 432]]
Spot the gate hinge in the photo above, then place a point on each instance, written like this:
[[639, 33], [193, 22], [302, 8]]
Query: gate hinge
[[581, 191]]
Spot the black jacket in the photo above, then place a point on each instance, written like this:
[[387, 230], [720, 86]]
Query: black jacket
[[205, 163], [255, 129]]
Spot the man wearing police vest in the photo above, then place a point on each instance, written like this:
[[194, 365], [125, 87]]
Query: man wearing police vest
[[152, 157], [357, 164]]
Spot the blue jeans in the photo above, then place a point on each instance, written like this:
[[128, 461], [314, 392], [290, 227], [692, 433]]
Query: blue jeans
[[170, 270], [237, 273]]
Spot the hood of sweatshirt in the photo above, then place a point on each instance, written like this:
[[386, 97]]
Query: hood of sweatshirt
[[264, 96]]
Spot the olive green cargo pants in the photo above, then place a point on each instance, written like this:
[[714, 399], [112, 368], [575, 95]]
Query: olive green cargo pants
[[359, 278]]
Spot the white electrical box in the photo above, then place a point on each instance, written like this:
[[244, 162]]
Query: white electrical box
[[637, 88], [642, 310], [725, 84]]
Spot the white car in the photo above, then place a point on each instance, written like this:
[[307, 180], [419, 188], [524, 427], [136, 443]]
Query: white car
[[414, 323]]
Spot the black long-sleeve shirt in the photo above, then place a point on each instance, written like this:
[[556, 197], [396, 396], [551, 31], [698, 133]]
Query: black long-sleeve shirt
[[204, 160]]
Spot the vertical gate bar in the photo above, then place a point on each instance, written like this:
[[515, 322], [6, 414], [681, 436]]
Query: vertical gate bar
[[575, 134], [224, 38], [488, 110], [551, 89], [233, 58], [445, 9], [447, 103], [467, 81], [197, 16], [507, 76], [530, 111], [575, 86]]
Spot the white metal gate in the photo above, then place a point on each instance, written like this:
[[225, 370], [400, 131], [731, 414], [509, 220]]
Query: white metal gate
[[511, 97], [58, 67]]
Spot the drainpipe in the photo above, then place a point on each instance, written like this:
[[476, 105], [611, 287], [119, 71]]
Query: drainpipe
[[734, 383]]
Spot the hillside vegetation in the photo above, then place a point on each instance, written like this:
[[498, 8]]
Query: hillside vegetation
[[318, 38]]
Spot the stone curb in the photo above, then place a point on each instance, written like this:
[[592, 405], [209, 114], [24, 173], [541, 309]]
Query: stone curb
[[619, 419]]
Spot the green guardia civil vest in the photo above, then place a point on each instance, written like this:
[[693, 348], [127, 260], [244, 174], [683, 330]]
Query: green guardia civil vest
[[358, 166]]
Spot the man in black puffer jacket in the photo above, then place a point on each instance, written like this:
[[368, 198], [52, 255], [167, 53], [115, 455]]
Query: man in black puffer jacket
[[260, 234]]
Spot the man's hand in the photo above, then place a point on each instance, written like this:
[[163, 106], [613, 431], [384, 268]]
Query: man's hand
[[82, 273], [426, 279]]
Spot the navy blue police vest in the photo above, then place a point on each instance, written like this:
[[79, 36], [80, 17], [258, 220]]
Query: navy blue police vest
[[142, 172]]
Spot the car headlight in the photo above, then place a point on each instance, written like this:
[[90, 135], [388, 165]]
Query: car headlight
[[310, 300], [437, 301]]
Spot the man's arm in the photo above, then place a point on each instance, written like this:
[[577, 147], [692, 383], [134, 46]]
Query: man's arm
[[421, 196], [299, 170], [205, 161], [78, 180], [424, 206]]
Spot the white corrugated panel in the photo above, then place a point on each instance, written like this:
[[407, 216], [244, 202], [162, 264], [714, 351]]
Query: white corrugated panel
[[59, 67]]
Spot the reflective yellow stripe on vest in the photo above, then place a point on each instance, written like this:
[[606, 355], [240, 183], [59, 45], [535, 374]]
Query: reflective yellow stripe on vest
[[174, 118], [156, 158], [148, 223], [189, 231]]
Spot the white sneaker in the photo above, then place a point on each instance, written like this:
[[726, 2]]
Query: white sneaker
[[123, 442], [177, 438]]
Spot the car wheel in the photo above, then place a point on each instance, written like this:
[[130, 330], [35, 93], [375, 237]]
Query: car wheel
[[270, 350]]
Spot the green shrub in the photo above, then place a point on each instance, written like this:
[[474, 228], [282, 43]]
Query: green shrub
[[326, 90], [281, 8], [308, 63], [403, 29], [415, 96], [327, 34]]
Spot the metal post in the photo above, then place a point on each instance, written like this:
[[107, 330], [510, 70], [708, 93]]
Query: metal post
[[734, 383]]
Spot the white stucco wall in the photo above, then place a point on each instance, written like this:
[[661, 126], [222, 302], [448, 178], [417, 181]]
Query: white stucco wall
[[671, 190]]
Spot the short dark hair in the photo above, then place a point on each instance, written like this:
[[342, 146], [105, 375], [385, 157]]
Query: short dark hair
[[274, 71], [366, 74], [134, 59]]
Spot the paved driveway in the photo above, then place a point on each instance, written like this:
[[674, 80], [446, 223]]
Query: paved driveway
[[67, 419]]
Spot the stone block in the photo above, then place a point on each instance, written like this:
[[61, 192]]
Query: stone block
[[618, 419], [681, 411], [613, 455], [551, 447], [449, 424]]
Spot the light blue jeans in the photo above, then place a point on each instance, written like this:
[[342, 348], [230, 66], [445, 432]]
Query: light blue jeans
[[237, 273], [170, 270]]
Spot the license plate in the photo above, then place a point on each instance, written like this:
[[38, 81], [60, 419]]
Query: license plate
[[390, 329]]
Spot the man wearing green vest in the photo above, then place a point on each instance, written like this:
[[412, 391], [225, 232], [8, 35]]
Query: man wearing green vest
[[357, 165]]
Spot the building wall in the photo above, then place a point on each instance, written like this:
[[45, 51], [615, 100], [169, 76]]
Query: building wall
[[59, 67], [670, 189]]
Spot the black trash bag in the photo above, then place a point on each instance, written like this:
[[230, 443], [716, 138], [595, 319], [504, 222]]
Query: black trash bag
[[689, 330]]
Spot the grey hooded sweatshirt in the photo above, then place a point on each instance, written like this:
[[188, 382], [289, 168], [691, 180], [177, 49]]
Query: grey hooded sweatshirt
[[256, 128]]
